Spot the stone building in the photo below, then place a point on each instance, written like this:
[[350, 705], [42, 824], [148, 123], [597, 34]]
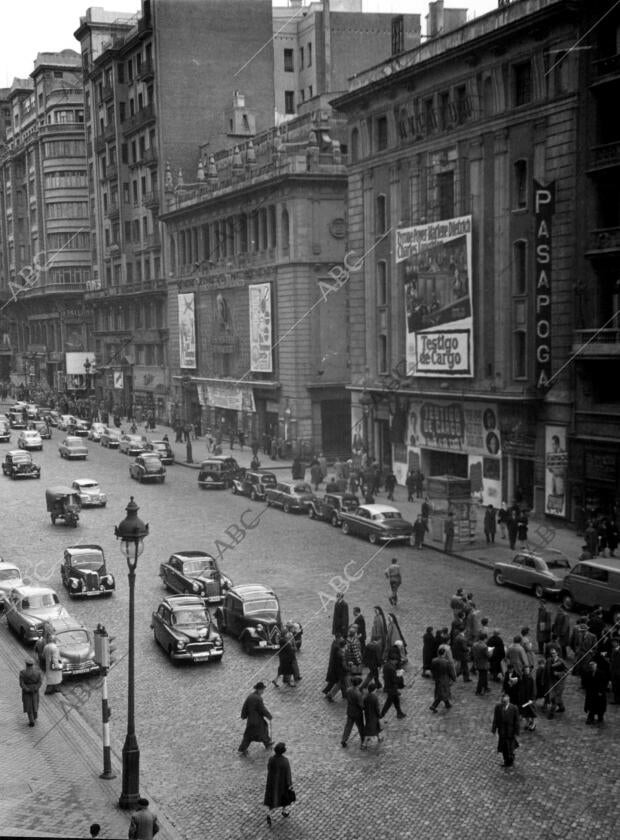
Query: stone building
[[462, 194], [258, 343]]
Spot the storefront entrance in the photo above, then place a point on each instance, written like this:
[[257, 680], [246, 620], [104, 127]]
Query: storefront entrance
[[444, 463], [336, 427]]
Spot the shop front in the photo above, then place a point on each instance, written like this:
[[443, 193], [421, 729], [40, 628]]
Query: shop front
[[150, 393], [518, 436], [459, 438], [594, 478]]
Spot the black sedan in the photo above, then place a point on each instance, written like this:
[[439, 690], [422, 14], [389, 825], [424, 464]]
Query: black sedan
[[183, 627], [195, 573], [147, 467], [331, 506]]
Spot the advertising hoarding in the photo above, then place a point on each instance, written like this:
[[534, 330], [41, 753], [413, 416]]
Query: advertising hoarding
[[260, 328], [187, 330]]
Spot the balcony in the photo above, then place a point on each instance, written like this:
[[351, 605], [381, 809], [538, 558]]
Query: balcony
[[606, 69], [139, 287], [99, 144], [145, 116], [151, 200], [149, 158], [112, 249], [113, 210], [151, 242], [604, 157], [146, 71], [107, 93], [111, 173], [109, 132], [597, 344], [604, 242]]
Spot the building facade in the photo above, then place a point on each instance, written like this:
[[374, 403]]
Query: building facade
[[258, 343], [45, 226], [462, 193]]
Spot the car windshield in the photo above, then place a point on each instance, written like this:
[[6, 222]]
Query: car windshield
[[72, 638], [557, 563], [74, 444], [133, 438], [151, 464], [21, 457], [87, 561], [196, 616], [388, 514], [195, 567], [87, 485], [9, 574], [267, 607], [268, 480], [302, 488], [48, 600]]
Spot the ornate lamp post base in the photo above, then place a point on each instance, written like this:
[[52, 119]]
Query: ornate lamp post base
[[130, 793]]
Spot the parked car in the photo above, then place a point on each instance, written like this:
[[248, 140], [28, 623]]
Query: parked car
[[78, 427], [251, 612], [218, 471], [147, 467], [593, 583], [162, 449], [110, 437], [378, 523], [84, 572], [183, 627], [89, 492], [195, 573], [19, 464], [62, 503], [254, 484], [32, 411], [95, 431], [42, 427], [64, 421], [541, 572], [29, 607], [76, 646], [10, 578], [16, 419], [130, 444], [5, 431], [29, 439], [290, 495], [73, 447], [330, 507], [52, 416]]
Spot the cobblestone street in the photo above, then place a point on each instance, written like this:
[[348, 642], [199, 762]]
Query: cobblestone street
[[434, 776]]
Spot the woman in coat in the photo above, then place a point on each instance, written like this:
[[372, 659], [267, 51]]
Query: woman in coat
[[286, 666], [379, 631], [372, 724], [53, 666], [429, 651], [279, 788], [394, 635]]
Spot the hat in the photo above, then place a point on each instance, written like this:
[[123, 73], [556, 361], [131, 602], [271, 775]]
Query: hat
[[29, 662], [280, 748], [144, 803], [259, 686]]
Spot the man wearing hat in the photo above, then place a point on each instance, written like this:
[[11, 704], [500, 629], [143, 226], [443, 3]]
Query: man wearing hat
[[30, 679], [254, 712], [143, 825]]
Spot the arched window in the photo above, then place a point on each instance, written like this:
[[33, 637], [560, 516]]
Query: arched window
[[284, 219], [380, 214], [519, 266]]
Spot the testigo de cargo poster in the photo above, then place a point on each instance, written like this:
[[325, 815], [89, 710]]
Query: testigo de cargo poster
[[436, 272]]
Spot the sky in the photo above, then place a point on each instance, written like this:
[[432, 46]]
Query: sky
[[31, 26]]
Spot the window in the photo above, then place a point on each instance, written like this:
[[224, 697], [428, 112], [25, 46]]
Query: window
[[129, 70], [310, 92], [289, 101], [302, 95], [382, 292], [301, 58], [488, 97], [382, 361], [445, 194], [289, 65], [520, 185], [380, 215], [522, 83], [309, 54], [122, 107], [120, 73], [430, 117], [462, 104], [444, 110], [285, 230], [381, 133], [355, 145], [519, 267], [520, 354]]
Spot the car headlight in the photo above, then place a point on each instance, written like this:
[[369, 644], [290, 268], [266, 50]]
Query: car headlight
[[74, 583], [110, 579], [260, 628], [180, 645], [195, 587], [218, 641]]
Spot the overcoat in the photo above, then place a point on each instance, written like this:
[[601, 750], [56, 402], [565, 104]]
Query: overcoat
[[30, 682], [379, 632], [596, 690], [53, 664], [337, 667], [443, 673], [561, 628], [254, 712], [340, 621], [372, 725], [543, 625], [506, 724], [279, 780], [429, 650]]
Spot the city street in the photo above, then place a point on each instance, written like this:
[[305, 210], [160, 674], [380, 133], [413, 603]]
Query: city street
[[435, 776]]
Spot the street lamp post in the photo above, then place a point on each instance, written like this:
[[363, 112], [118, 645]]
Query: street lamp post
[[131, 533]]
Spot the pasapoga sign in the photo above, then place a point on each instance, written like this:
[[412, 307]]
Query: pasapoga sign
[[544, 206]]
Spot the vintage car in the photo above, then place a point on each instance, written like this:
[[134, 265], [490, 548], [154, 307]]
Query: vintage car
[[52, 417], [110, 437], [63, 503], [5, 431], [195, 573], [89, 492], [162, 449], [29, 439], [251, 612], [32, 411], [42, 427], [95, 431], [64, 421], [147, 467], [16, 419], [19, 464], [29, 607], [254, 484], [541, 572], [73, 447], [218, 472], [131, 444], [76, 646], [330, 507], [84, 572], [290, 495], [10, 577], [378, 523], [183, 627], [77, 427]]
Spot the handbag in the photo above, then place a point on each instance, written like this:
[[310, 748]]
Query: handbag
[[400, 678], [290, 797]]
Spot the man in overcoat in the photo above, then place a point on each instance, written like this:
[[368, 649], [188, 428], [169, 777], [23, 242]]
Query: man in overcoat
[[506, 725], [256, 715], [543, 625], [30, 679], [442, 669], [355, 712], [340, 621]]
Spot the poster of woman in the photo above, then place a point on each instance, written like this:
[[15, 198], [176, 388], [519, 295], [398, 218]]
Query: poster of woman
[[556, 466]]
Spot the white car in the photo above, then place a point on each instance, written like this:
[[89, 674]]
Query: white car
[[89, 492], [10, 577], [95, 431], [29, 439], [32, 411], [131, 444], [64, 421]]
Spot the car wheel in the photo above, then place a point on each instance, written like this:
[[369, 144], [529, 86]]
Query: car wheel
[[246, 644], [334, 520], [22, 635], [311, 512], [53, 518], [162, 479], [568, 602], [286, 507], [372, 538], [253, 495], [234, 489], [539, 591], [345, 528], [498, 577]]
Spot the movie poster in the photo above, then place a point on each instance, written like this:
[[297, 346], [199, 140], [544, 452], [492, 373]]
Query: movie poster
[[556, 466], [436, 273], [187, 331], [260, 328]]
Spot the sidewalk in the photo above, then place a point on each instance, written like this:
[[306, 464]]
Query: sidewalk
[[49, 783]]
